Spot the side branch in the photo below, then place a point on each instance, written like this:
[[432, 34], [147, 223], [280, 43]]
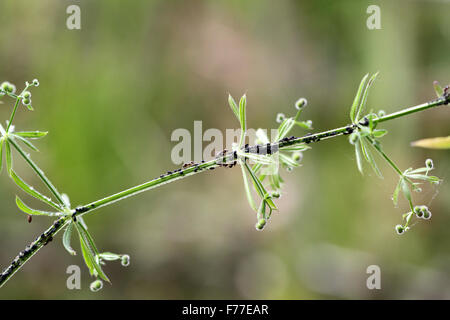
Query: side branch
[[31, 249]]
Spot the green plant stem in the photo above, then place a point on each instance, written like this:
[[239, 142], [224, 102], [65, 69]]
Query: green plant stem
[[31, 249], [427, 105], [13, 113], [38, 171], [385, 156], [43, 239]]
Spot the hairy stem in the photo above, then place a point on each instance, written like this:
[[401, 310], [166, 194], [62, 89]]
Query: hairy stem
[[13, 113], [38, 171], [31, 249], [59, 224]]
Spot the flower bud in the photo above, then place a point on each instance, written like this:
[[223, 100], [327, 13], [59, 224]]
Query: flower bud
[[125, 260], [4, 86], [429, 164], [260, 224], [12, 88], [36, 82], [297, 156], [8, 87], [301, 103], [280, 117], [26, 94], [399, 229], [381, 113], [26, 101], [418, 211], [97, 285], [426, 213]]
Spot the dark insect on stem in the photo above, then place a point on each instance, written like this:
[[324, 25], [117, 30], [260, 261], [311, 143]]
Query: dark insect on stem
[[49, 239], [29, 218], [188, 164], [348, 130], [364, 122]]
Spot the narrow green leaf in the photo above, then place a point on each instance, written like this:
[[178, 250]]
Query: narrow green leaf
[[67, 237], [424, 177], [90, 251], [109, 256], [418, 170], [358, 156], [261, 214], [397, 191], [406, 191], [379, 133], [2, 141], [30, 190], [26, 142], [22, 206], [274, 182], [299, 147], [86, 256], [363, 149], [260, 188], [288, 161], [31, 134], [66, 200], [284, 128], [242, 118], [8, 156], [233, 106], [357, 99], [304, 124], [247, 188], [365, 95], [258, 158], [438, 89], [370, 159]]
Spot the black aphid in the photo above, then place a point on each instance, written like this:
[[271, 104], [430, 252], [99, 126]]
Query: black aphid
[[269, 149]]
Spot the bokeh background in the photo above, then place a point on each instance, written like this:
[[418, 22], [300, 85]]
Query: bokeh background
[[112, 93]]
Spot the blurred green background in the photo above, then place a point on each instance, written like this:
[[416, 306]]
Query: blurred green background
[[112, 93]]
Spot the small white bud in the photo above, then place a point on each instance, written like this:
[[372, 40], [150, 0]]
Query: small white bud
[[280, 117], [97, 285], [399, 229], [301, 103], [260, 224], [429, 164], [26, 94], [125, 260]]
